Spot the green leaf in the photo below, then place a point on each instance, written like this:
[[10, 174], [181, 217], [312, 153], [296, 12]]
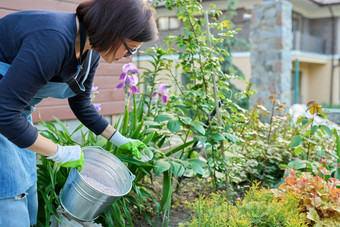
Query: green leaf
[[296, 141], [313, 129], [321, 153], [77, 129], [133, 161], [133, 115], [186, 120], [202, 139], [216, 136], [137, 130], [166, 188], [304, 121], [327, 130], [321, 133], [100, 142], [199, 162], [337, 139], [297, 164], [50, 136], [125, 121], [179, 148], [148, 138], [174, 125], [161, 141], [231, 137], [163, 117], [299, 120], [229, 154], [284, 165], [198, 127], [298, 150], [177, 168], [126, 210], [161, 166], [196, 167]]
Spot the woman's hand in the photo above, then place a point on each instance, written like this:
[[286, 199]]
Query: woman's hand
[[136, 147], [69, 156]]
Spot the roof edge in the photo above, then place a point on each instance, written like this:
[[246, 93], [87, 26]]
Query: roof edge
[[324, 4]]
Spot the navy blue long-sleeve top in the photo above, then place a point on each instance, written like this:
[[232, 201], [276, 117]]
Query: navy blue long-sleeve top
[[40, 47]]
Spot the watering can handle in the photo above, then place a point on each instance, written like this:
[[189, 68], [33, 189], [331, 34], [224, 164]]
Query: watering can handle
[[132, 176]]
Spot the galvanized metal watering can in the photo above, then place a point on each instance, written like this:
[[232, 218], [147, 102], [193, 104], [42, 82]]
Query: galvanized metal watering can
[[84, 200]]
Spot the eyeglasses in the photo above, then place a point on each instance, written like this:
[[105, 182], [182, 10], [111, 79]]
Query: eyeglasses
[[129, 51]]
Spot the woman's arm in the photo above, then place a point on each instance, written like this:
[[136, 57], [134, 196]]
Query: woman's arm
[[44, 146], [66, 156], [108, 132]]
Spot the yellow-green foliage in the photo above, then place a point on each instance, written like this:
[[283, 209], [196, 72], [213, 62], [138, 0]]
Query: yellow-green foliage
[[258, 208]]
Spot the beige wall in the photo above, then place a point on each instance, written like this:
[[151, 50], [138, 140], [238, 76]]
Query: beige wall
[[243, 63], [315, 78], [304, 86], [319, 80]]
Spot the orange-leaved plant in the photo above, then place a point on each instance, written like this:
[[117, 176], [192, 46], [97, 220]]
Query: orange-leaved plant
[[320, 199]]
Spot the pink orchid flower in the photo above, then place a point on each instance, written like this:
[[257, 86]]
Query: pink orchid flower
[[129, 78], [94, 89], [163, 91], [97, 106], [130, 68]]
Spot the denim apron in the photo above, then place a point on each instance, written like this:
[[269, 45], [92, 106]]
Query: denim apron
[[17, 165]]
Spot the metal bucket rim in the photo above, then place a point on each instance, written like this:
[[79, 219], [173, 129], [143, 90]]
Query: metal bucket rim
[[110, 156], [93, 188]]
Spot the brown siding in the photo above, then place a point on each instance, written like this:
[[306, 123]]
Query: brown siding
[[111, 100]]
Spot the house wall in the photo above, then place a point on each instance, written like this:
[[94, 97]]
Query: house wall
[[304, 86], [314, 27], [319, 76], [106, 78], [315, 79], [243, 63], [316, 82]]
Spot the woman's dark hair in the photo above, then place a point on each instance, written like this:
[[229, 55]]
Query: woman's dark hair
[[108, 22]]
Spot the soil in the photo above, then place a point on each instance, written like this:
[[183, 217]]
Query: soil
[[179, 213], [191, 189]]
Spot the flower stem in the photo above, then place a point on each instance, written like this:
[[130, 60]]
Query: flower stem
[[126, 115]]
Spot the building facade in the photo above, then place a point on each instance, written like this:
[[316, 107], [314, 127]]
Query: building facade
[[315, 45]]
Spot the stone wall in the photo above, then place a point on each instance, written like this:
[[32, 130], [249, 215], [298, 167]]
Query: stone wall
[[270, 51]]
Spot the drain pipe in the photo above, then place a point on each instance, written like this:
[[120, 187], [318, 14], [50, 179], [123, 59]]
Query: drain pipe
[[296, 81], [332, 54]]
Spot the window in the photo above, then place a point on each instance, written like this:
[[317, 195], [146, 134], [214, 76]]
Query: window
[[168, 23]]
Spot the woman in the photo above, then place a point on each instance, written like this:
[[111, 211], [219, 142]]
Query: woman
[[55, 54]]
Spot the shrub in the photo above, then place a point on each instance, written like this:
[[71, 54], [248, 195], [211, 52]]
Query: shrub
[[258, 208], [319, 198]]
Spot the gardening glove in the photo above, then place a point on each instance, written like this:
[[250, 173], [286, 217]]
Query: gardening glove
[[136, 147], [69, 156]]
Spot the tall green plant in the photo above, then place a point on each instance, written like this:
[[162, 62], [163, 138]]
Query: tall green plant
[[193, 105]]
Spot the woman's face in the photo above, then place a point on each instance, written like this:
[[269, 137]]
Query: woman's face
[[121, 51]]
